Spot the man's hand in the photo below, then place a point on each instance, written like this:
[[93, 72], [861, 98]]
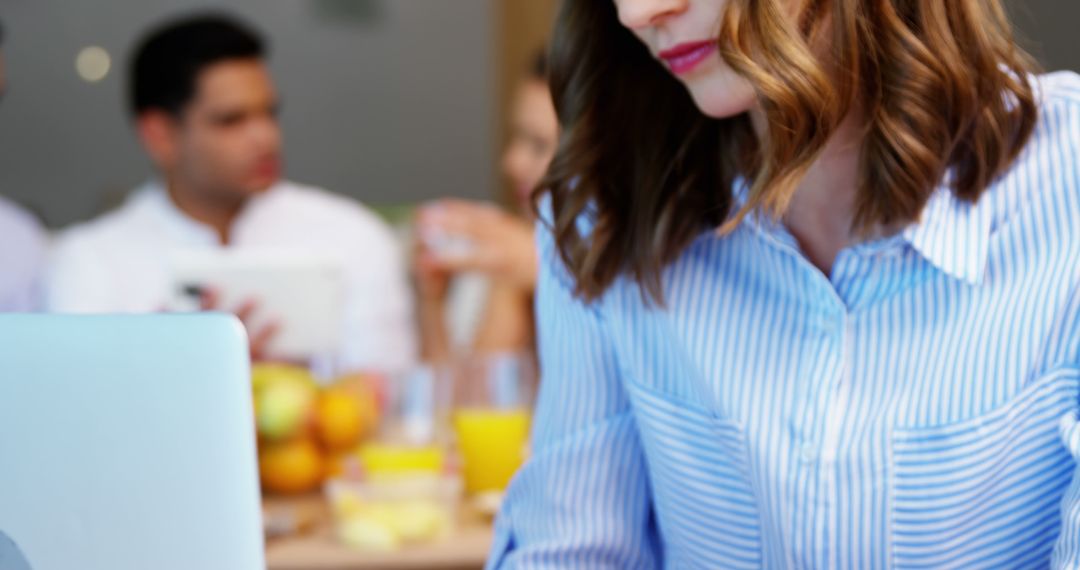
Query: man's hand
[[259, 340]]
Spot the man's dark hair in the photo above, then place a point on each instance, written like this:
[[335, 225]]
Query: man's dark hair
[[167, 62]]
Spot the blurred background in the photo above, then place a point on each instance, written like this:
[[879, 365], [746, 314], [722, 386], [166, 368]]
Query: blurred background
[[394, 103], [390, 101]]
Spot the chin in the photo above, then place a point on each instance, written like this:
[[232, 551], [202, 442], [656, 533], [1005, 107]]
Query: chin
[[722, 95]]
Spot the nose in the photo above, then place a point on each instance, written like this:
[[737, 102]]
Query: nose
[[638, 14]]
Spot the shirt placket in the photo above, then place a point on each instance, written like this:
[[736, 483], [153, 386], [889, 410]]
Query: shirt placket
[[848, 296], [819, 424], [830, 391]]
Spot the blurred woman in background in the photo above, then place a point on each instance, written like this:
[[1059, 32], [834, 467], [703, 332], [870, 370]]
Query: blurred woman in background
[[462, 240]]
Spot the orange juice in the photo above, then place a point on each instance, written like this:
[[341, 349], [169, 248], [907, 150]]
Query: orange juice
[[492, 443], [389, 460]]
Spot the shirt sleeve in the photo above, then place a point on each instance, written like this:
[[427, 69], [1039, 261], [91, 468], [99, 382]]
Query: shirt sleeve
[[1067, 550], [582, 500], [22, 257]]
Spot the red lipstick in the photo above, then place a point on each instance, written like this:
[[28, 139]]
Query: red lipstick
[[684, 58]]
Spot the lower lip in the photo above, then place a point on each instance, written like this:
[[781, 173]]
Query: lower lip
[[685, 63]]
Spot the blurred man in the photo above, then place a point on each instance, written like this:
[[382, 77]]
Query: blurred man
[[205, 110], [22, 245]]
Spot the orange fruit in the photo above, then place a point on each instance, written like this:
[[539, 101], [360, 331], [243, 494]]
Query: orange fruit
[[339, 422], [291, 467], [343, 417]]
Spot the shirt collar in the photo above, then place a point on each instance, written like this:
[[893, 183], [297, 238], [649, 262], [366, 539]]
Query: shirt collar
[[951, 234], [155, 197], [154, 203]]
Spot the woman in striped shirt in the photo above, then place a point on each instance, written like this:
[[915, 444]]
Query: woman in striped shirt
[[810, 293]]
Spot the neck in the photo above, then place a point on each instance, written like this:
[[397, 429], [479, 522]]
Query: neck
[[215, 209], [822, 210]]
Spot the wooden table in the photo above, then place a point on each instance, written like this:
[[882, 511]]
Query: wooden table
[[317, 549]]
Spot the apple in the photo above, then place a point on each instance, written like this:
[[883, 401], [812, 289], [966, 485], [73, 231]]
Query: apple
[[283, 407], [265, 374]]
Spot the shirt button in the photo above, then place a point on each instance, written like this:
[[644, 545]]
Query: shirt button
[[807, 453]]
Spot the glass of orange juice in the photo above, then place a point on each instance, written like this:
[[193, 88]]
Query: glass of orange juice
[[492, 412]]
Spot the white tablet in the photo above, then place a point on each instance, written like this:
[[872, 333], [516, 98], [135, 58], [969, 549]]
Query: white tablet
[[300, 292]]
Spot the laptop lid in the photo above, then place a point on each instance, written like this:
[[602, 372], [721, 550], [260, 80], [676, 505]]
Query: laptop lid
[[127, 442]]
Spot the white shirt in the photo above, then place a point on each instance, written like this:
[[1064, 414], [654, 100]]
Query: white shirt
[[118, 263], [22, 258]]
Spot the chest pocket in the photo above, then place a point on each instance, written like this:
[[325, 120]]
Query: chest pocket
[[985, 492], [705, 504]]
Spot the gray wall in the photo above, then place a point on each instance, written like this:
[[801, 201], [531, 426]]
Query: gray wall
[[1048, 28], [386, 100]]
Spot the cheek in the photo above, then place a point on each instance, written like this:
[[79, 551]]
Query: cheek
[[202, 142], [549, 153], [513, 160], [215, 154], [227, 148], [538, 164]]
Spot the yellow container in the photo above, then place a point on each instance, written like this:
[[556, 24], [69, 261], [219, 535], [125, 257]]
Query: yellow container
[[381, 459], [492, 443]]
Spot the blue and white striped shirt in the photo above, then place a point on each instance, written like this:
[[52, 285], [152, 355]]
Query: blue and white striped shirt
[[915, 409]]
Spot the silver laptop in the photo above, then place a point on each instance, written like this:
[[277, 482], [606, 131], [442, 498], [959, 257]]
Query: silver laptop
[[127, 443]]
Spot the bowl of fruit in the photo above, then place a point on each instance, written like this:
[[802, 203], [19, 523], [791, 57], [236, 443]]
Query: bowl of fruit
[[385, 513], [308, 432]]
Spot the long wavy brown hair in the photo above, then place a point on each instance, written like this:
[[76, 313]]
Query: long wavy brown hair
[[943, 85]]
